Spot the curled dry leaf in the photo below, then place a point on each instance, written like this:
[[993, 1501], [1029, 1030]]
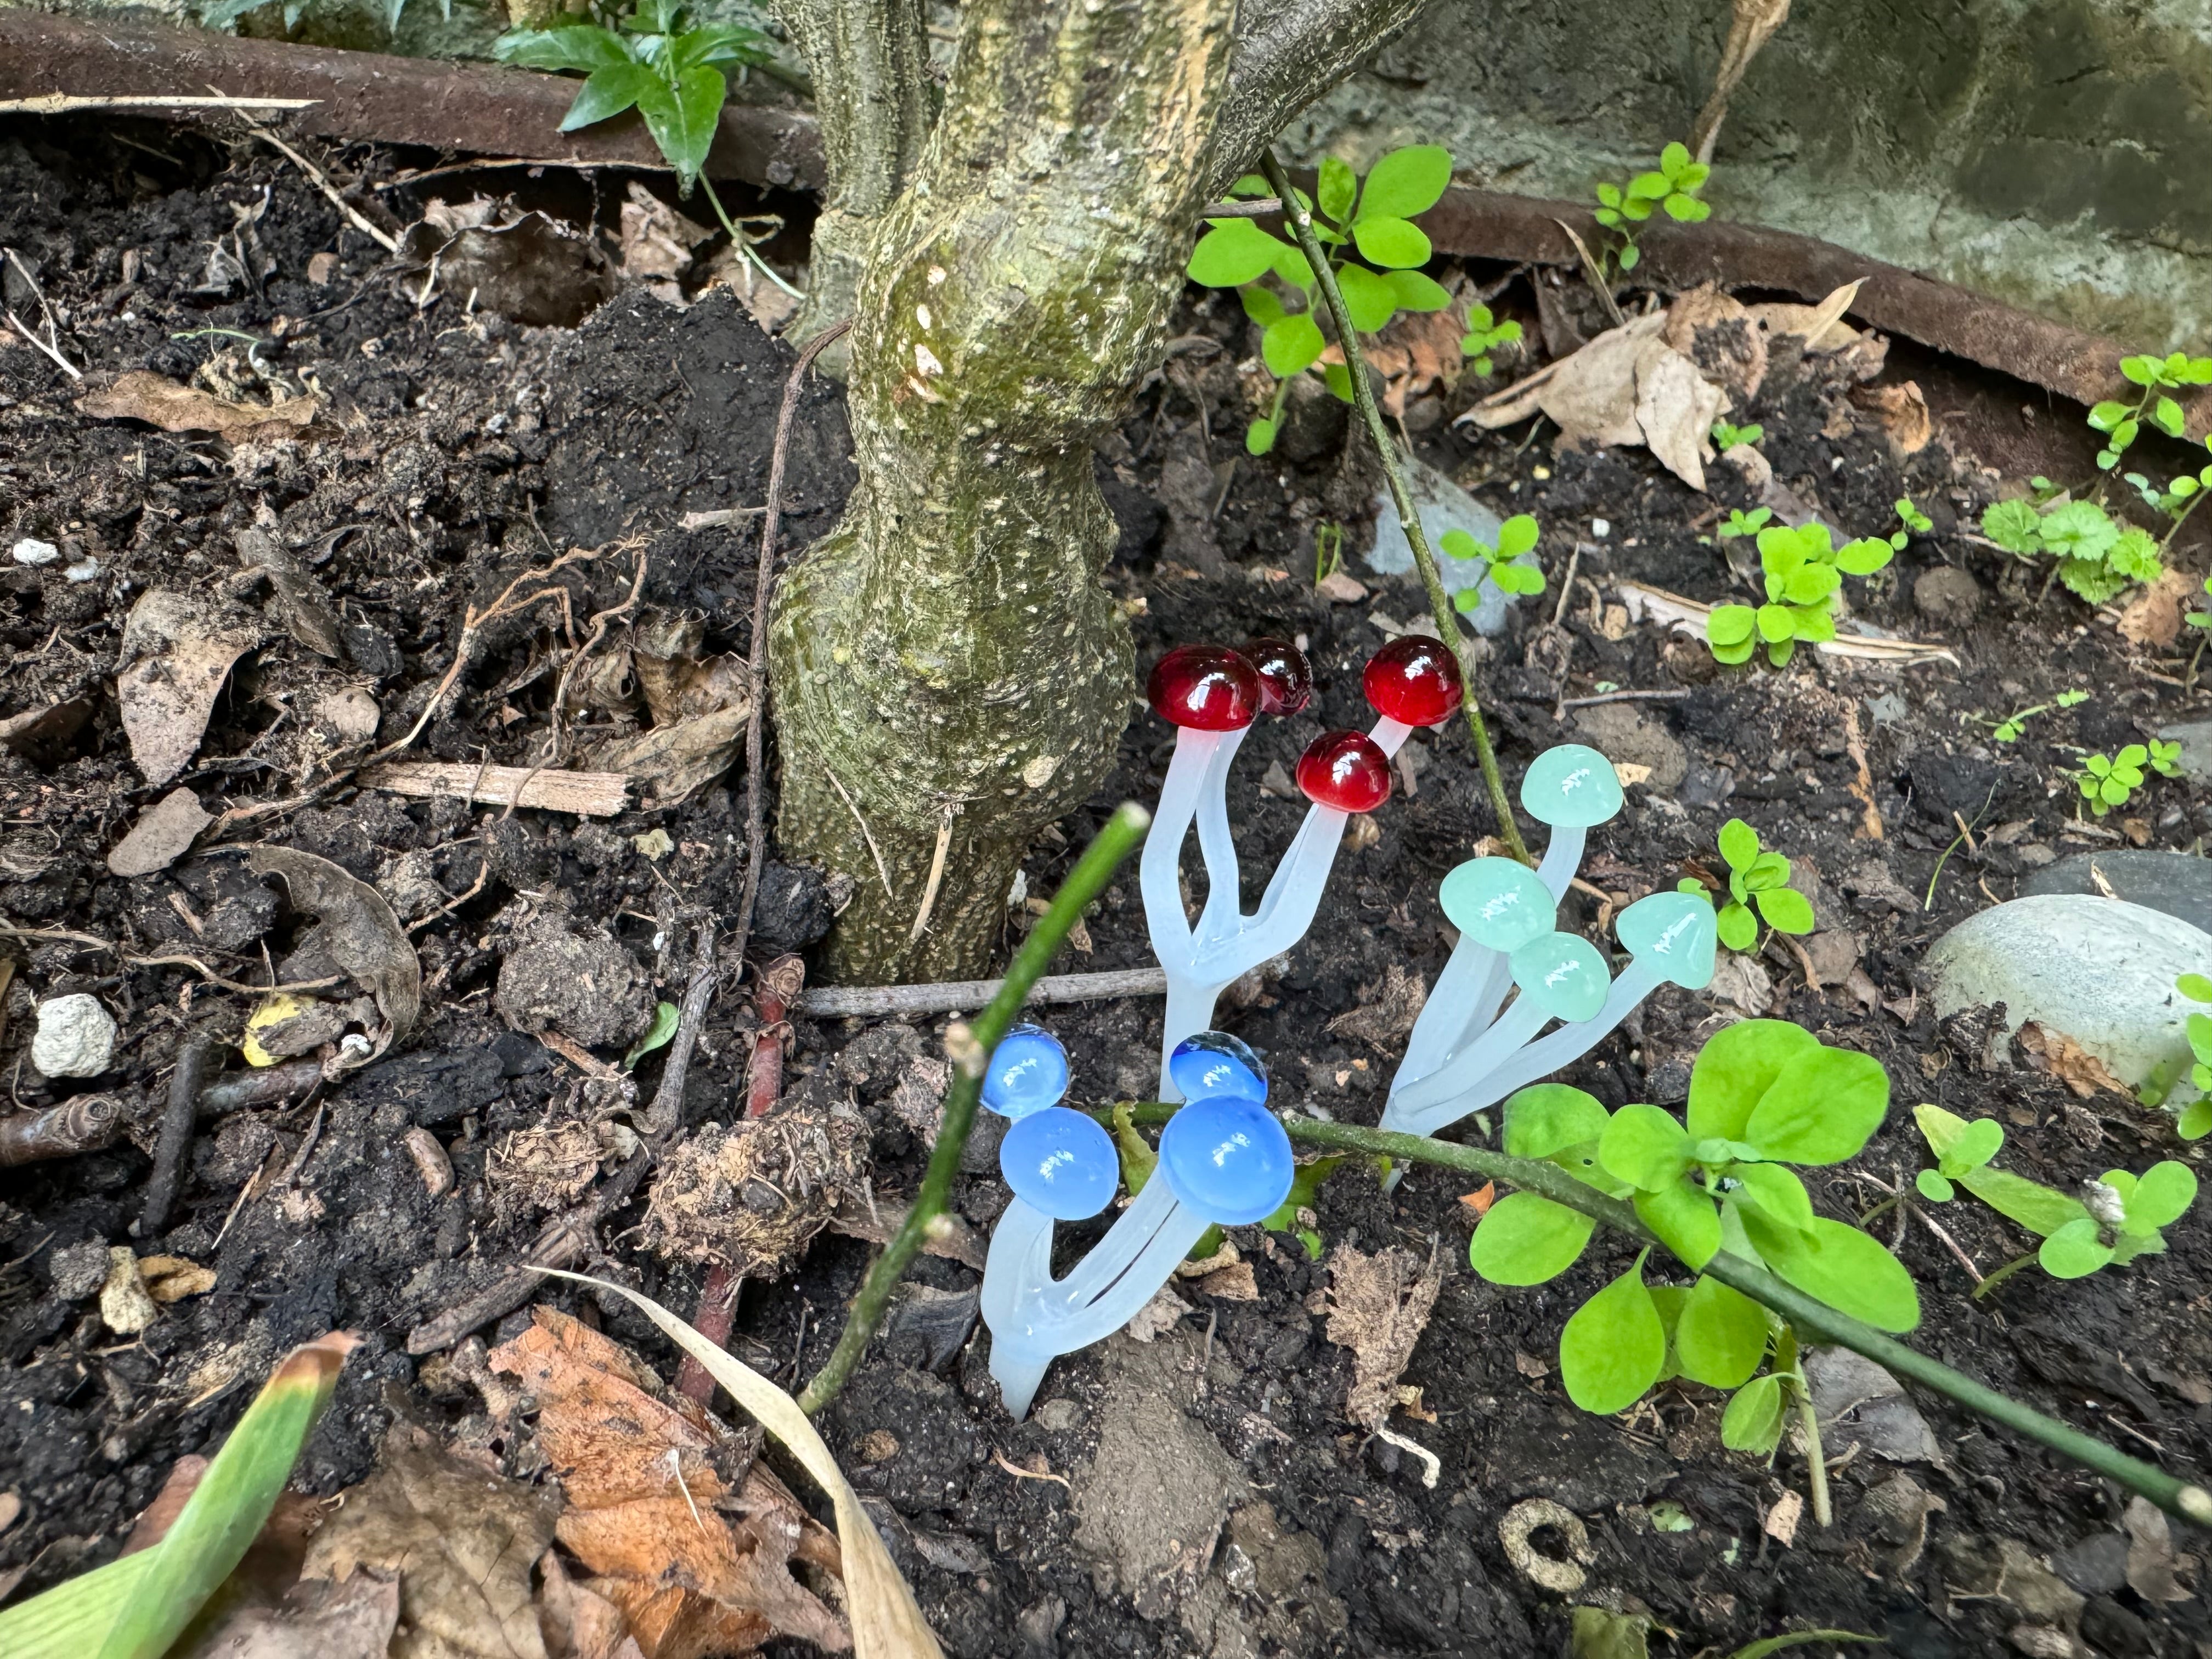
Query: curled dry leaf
[[303, 607], [657, 241], [141, 395], [1379, 1306], [526, 266], [177, 650], [355, 930], [1387, 1011], [2053, 1051]]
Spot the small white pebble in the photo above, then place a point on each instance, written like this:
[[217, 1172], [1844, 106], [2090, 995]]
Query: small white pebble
[[1835, 465], [76, 1037], [31, 550], [1601, 528], [83, 570]]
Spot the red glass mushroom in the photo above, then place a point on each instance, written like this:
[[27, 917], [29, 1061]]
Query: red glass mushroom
[[1413, 680], [1285, 676], [1206, 688], [1345, 771]]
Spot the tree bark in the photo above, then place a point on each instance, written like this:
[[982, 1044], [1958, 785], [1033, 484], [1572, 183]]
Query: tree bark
[[872, 96], [948, 670]]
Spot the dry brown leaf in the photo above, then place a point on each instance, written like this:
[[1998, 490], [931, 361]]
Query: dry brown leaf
[[1387, 1013], [1821, 327], [141, 395], [159, 838], [461, 1541], [673, 760], [657, 240], [1716, 332], [1157, 1316], [1418, 350], [1676, 408], [875, 1218], [303, 606], [316, 1619], [2054, 1052], [2154, 615], [1379, 1306], [1231, 1282], [578, 1622], [177, 651], [1781, 1522], [1902, 409], [355, 930]]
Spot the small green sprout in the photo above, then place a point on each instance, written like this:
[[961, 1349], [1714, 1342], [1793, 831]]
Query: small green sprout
[[1671, 188], [1516, 536], [2110, 780], [1328, 550], [2008, 729], [2195, 1119], [1375, 221], [1741, 523], [666, 1017], [1484, 334], [1763, 1095], [1803, 572], [2159, 377], [1915, 523], [1727, 436], [1980, 1142], [1759, 881]]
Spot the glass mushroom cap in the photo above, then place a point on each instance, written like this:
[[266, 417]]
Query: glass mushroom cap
[[1215, 1065], [1413, 680], [1572, 786], [1061, 1164], [1346, 772], [1227, 1159], [1285, 676], [1498, 903], [1564, 975], [1026, 1072], [1208, 688], [1675, 933]]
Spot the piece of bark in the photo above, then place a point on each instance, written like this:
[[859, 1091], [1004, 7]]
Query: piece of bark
[[590, 795], [159, 838], [873, 1001]]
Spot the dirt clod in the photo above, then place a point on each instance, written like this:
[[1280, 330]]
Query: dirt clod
[[752, 1195], [573, 978]]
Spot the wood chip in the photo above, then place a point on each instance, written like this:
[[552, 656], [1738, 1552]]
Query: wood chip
[[589, 794], [1781, 1523], [159, 838]]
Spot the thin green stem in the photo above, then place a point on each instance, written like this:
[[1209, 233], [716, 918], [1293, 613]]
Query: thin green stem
[[1809, 1316], [739, 241], [2181, 519], [1809, 1420], [1300, 220], [969, 1047]]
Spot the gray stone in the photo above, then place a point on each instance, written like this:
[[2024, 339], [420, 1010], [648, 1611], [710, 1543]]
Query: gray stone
[[2195, 738], [2099, 970], [1948, 595], [1443, 506], [2095, 1565], [1624, 733], [1059, 1415], [79, 1269], [2178, 883]]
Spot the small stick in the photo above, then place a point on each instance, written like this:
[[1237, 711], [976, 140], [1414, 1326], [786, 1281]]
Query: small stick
[[949, 996], [1265, 207], [936, 877], [1440, 605], [384, 239], [62, 103], [83, 1125], [67, 936], [193, 1054], [1623, 697], [263, 1086]]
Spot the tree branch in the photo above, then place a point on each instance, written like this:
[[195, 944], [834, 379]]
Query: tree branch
[[1288, 54]]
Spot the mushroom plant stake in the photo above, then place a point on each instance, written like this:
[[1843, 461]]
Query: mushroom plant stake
[[1213, 695], [1225, 1161]]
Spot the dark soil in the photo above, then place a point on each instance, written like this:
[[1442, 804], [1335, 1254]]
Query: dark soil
[[459, 451]]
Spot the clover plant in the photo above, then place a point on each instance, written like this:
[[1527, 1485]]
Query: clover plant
[[1764, 1096], [1758, 890], [1516, 536], [2008, 729], [1373, 220], [1803, 572], [1741, 523], [1727, 436], [2110, 780], [1915, 523], [1673, 188], [2119, 1219]]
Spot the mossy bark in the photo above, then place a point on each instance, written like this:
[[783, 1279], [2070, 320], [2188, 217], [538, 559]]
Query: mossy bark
[[948, 670]]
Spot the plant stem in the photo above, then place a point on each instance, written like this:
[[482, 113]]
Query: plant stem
[[1295, 214], [969, 1047], [737, 241], [1808, 1314], [1816, 1463]]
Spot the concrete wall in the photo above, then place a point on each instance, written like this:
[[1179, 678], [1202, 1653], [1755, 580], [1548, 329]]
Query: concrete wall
[[2054, 153]]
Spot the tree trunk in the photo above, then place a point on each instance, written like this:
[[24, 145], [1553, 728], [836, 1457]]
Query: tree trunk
[[950, 676]]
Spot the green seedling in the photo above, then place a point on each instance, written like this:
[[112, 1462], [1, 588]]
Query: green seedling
[[1373, 220], [1759, 891], [1803, 572], [1975, 1144], [1741, 523], [666, 1017], [1516, 536], [2110, 780], [1727, 436], [1328, 550], [1486, 335], [2160, 378], [2096, 555], [1915, 523], [1672, 189], [2008, 729], [2195, 1119], [1764, 1094]]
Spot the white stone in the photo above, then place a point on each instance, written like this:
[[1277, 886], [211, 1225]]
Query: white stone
[[32, 550], [2099, 970], [76, 1037]]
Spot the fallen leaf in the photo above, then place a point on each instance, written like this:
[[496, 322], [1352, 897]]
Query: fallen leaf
[[1902, 411], [177, 651], [1379, 1306], [2154, 615], [2054, 1052], [316, 1619], [1675, 409], [1899, 1510], [172, 1277], [1780, 1522], [41, 735], [461, 1541], [1742, 983], [1387, 1011], [1632, 772], [163, 832], [1339, 588], [1482, 1199], [141, 395], [1714, 332], [1231, 1282], [657, 240], [303, 607], [1821, 327], [1834, 954], [1157, 1316], [2152, 1562], [578, 1622], [676, 760], [525, 266], [355, 930]]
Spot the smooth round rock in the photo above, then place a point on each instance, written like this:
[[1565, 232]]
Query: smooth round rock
[[2099, 970], [1570, 785], [1948, 594], [75, 1036], [2179, 884], [1059, 1162], [1215, 1065], [1228, 1160], [1564, 975], [1675, 933], [1498, 903], [1027, 1072]]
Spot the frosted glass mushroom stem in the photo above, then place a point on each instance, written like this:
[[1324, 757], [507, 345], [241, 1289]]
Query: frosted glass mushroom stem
[[1202, 961], [1562, 858]]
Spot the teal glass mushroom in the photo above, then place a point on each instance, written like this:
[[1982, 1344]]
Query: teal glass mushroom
[[1499, 905], [1569, 787]]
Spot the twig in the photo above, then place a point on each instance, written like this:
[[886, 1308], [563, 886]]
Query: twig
[[86, 1124], [1623, 696], [1432, 1465], [936, 877], [1021, 1474], [947, 996], [199, 967], [384, 239], [882, 870], [969, 1048], [64, 103], [51, 345], [1363, 394], [1594, 274], [176, 1133], [484, 872], [262, 1086], [1265, 207], [66, 366]]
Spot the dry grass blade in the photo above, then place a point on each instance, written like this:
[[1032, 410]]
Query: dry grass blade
[[886, 1622]]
